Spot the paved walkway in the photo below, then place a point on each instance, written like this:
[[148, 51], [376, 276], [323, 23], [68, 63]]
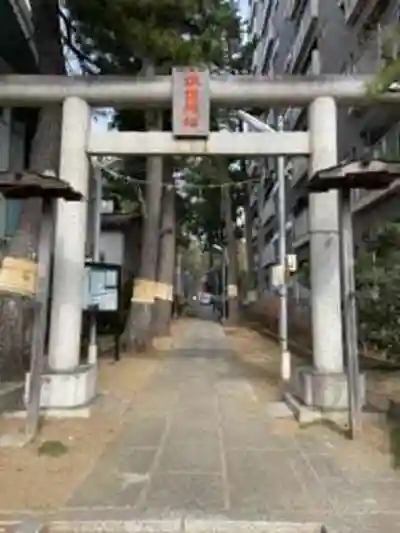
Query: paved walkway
[[198, 444]]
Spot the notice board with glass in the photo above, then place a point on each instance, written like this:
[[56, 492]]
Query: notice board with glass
[[102, 291]]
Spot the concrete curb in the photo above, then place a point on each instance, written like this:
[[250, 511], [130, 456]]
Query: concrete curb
[[179, 525]]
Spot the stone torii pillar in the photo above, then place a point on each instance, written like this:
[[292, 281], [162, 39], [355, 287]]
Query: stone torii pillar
[[324, 385], [76, 383]]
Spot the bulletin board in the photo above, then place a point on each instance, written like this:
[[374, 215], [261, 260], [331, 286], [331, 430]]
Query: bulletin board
[[102, 292]]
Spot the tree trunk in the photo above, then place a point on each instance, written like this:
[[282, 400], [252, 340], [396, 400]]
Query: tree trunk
[[261, 282], [138, 331], [15, 310], [210, 259], [179, 289], [250, 282], [233, 296], [166, 259]]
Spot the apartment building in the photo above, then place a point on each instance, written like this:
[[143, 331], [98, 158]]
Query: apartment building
[[313, 37], [17, 55]]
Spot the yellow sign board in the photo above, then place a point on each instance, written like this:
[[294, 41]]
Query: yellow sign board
[[18, 276]]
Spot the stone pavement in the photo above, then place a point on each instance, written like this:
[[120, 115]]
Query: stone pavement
[[198, 444]]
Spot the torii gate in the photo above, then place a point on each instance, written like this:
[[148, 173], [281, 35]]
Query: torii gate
[[73, 384]]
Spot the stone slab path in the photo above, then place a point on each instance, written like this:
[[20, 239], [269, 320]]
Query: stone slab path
[[198, 444]]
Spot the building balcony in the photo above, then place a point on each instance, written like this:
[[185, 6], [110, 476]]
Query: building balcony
[[254, 194], [354, 8], [368, 59], [300, 229], [299, 169], [252, 168], [269, 210], [267, 48], [16, 39], [387, 148], [253, 197], [268, 256], [305, 36], [363, 199], [294, 7], [291, 117]]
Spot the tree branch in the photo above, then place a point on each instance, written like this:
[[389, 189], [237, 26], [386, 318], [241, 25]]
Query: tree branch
[[86, 63]]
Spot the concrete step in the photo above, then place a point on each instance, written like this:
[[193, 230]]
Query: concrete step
[[179, 525]]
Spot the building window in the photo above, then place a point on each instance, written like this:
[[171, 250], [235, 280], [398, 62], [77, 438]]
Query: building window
[[13, 212]]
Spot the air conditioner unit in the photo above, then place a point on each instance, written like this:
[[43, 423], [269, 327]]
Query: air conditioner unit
[[277, 276]]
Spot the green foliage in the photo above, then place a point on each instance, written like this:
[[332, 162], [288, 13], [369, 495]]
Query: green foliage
[[203, 198], [378, 292], [119, 36], [390, 72], [122, 37]]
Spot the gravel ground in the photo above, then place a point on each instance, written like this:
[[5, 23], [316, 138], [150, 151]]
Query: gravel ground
[[35, 481]]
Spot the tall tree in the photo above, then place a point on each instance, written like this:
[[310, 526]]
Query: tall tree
[[166, 258], [15, 318], [232, 289], [124, 37]]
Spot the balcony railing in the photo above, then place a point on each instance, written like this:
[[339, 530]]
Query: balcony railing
[[306, 33]]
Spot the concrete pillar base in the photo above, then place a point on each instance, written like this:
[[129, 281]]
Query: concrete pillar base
[[323, 391], [68, 389]]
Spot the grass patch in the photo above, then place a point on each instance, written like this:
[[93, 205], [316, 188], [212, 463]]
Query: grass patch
[[395, 446], [52, 448]]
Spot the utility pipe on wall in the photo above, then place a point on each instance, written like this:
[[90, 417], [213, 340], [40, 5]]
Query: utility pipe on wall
[[259, 125]]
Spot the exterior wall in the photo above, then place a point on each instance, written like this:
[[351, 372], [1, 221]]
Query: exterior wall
[[120, 242], [325, 37], [17, 55], [112, 247], [12, 157], [132, 249], [5, 138]]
